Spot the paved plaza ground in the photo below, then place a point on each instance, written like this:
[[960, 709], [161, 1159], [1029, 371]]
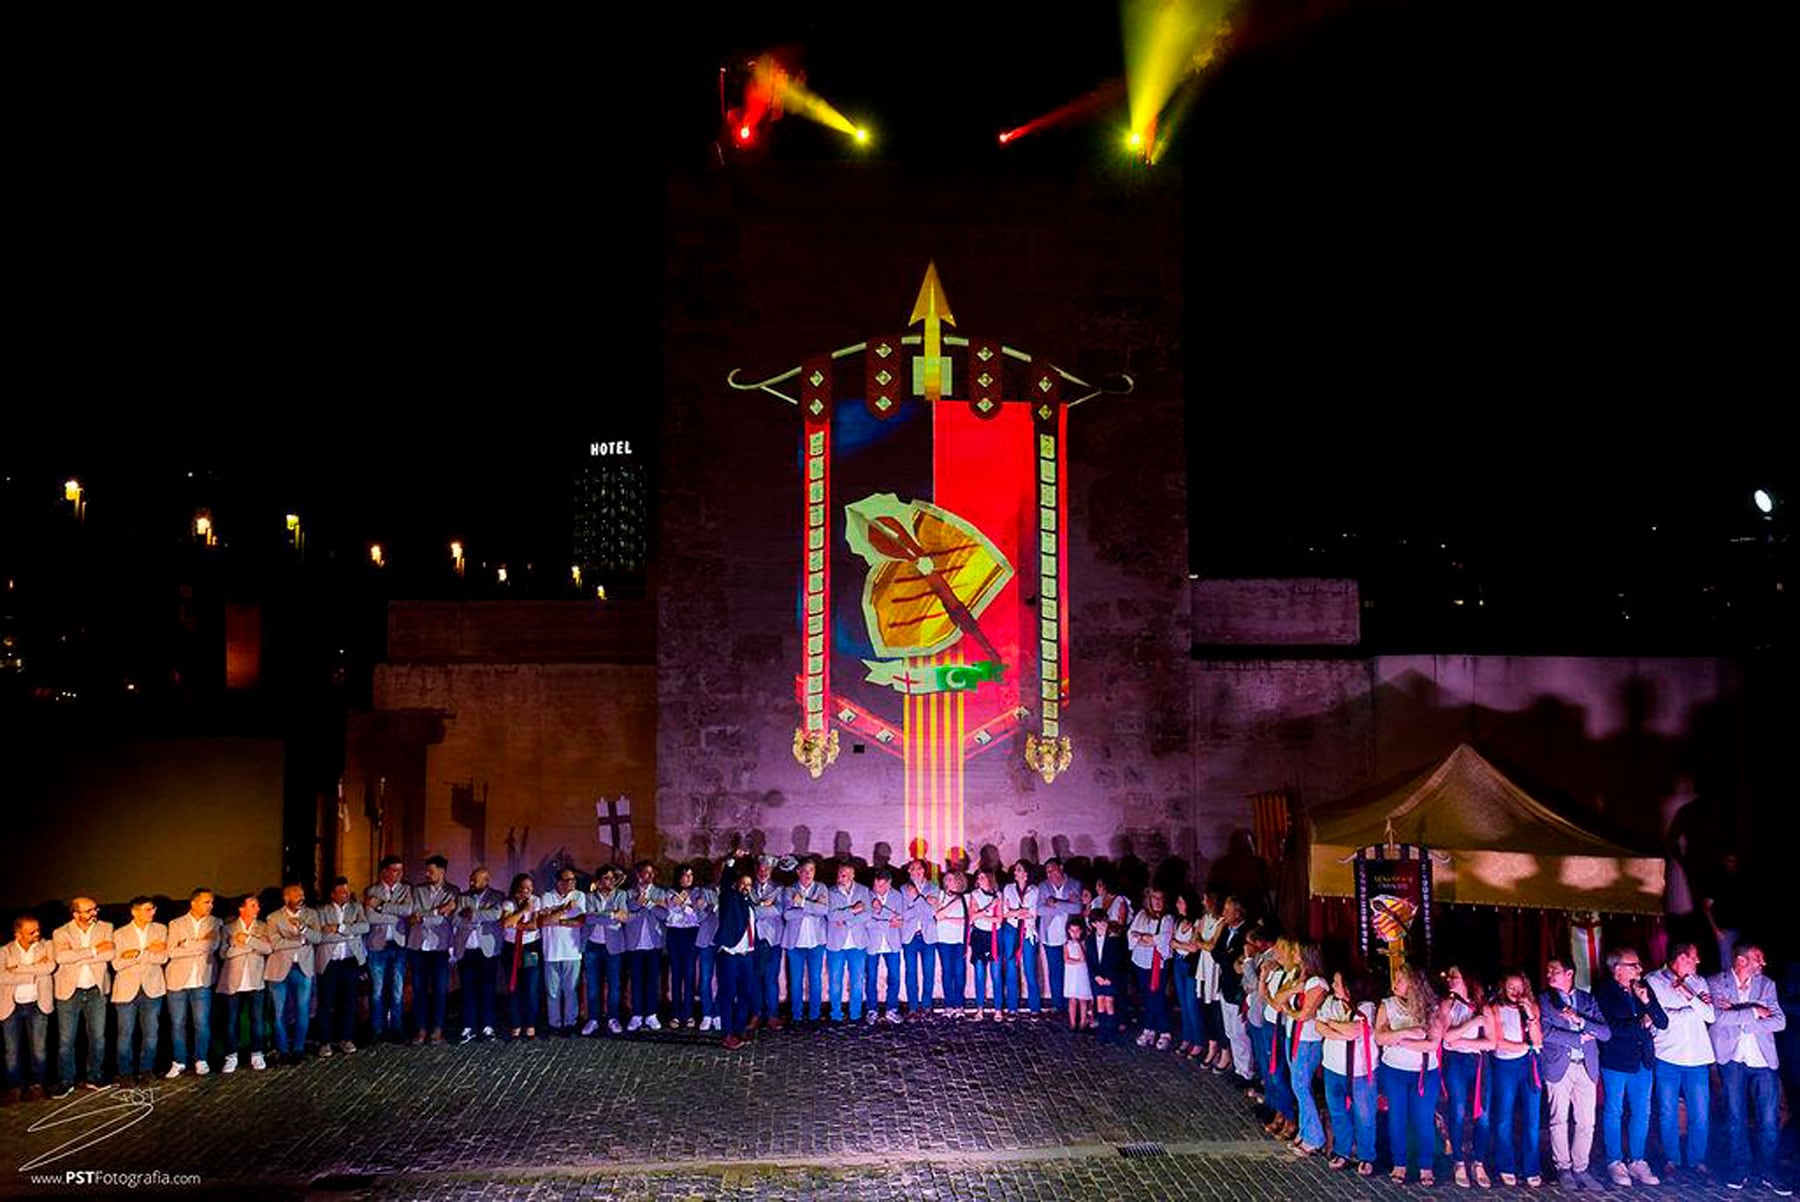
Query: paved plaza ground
[[937, 1110]]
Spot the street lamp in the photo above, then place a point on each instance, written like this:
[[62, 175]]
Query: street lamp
[[204, 534], [295, 535], [72, 493], [456, 557], [1765, 503], [375, 555]]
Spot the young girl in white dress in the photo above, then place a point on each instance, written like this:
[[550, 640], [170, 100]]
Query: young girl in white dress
[[1077, 987]]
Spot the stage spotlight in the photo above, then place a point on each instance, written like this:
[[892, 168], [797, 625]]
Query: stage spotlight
[[1006, 137], [1135, 140], [862, 136], [743, 133], [1765, 503]]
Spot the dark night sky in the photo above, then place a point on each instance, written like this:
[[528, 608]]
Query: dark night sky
[[1455, 268]]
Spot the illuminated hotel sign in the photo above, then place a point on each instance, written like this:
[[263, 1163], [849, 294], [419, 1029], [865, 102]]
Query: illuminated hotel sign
[[598, 449]]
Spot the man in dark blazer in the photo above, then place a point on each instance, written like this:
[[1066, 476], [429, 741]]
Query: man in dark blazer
[[1574, 1029], [736, 942]]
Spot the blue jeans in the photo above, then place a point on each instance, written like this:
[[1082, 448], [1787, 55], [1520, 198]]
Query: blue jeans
[[682, 963], [1760, 1088], [708, 960], [562, 984], [1053, 969], [951, 958], [525, 995], [986, 972], [849, 962], [806, 967], [1410, 1110], [599, 965], [190, 1011], [252, 1002], [1020, 962], [1515, 1089], [766, 966], [1156, 1002], [1460, 1072], [1305, 1068], [1278, 1083], [1262, 1040], [645, 970], [292, 998], [1354, 1105], [337, 1001], [387, 983], [1693, 1083], [875, 961], [476, 973], [737, 992], [1616, 1087], [921, 972], [27, 1029], [1191, 1031], [431, 989], [88, 1007], [144, 1013]]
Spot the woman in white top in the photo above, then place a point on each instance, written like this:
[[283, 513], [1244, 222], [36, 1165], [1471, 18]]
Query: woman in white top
[[950, 911], [1518, 1038], [1186, 946], [1278, 978], [1305, 1042], [1409, 1026], [522, 961], [1347, 1021], [984, 942], [1468, 1076], [1150, 939], [1206, 983]]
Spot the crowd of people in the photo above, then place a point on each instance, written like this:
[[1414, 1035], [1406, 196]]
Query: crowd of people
[[1319, 1048]]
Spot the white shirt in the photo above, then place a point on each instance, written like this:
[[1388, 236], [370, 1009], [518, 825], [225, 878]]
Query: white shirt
[[1349, 1057], [86, 979], [529, 907], [1405, 1056], [26, 993], [563, 943], [1512, 1026], [340, 950], [1685, 1042], [1206, 976]]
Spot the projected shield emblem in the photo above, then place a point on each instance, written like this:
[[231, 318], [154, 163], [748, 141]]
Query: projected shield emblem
[[933, 604]]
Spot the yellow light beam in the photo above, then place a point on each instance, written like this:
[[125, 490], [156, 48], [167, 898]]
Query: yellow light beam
[[1166, 41]]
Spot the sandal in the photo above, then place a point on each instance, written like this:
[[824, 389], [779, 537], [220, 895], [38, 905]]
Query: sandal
[[1461, 1175], [1337, 1162], [1426, 1179], [1301, 1149], [1365, 1168], [1481, 1176], [1398, 1176]]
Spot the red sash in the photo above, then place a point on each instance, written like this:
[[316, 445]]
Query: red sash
[[1480, 1060]]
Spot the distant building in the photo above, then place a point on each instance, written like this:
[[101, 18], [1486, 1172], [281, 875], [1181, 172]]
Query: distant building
[[612, 515]]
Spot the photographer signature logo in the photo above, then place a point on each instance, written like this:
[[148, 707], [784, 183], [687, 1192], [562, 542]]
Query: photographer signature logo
[[92, 1119]]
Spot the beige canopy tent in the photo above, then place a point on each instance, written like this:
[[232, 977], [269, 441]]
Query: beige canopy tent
[[1494, 843]]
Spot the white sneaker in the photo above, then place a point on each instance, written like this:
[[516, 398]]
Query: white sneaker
[[256, 1061], [324, 1050], [636, 1024], [589, 1027], [893, 1016], [175, 1071], [612, 1024], [1162, 1042], [872, 1018], [1146, 1039], [487, 1032], [231, 1062], [200, 1069], [467, 1036], [652, 1024], [714, 1020]]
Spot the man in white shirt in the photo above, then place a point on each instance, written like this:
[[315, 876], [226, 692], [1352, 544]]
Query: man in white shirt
[[293, 933], [803, 938], [1059, 899], [845, 944], [646, 908], [428, 932], [141, 950], [1684, 1058], [244, 954], [84, 952], [1748, 1016], [193, 959], [337, 957], [560, 922], [886, 917], [766, 957], [26, 966]]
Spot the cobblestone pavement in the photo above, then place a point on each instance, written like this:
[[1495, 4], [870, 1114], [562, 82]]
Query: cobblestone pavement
[[936, 1110]]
